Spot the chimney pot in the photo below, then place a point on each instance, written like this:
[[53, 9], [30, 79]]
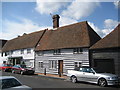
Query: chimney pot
[[55, 21]]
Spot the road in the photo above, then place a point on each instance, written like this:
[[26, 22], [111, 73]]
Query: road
[[36, 81]]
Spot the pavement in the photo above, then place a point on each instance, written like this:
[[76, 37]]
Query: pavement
[[64, 77]]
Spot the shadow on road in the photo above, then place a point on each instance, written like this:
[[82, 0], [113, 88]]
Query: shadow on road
[[111, 86]]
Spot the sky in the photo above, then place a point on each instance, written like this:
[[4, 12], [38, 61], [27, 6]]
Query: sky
[[17, 18]]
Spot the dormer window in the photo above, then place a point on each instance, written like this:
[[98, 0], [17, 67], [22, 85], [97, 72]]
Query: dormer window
[[28, 51], [6, 53], [1, 54], [57, 52], [77, 50], [11, 52], [22, 51], [40, 53]]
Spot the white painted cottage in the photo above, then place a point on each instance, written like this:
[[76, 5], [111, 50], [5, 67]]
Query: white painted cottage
[[20, 50], [2, 43], [64, 48]]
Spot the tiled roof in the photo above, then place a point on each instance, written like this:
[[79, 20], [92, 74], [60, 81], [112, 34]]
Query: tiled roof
[[2, 43], [112, 40], [70, 36], [25, 41]]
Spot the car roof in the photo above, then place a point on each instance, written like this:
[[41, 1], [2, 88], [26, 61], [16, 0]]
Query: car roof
[[6, 77]]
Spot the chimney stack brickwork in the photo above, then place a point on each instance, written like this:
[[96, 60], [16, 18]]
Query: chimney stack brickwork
[[55, 21]]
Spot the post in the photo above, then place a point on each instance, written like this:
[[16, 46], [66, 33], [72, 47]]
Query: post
[[59, 73], [45, 71]]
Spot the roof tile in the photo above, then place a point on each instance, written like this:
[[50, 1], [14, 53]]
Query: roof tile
[[112, 40], [25, 41], [70, 36]]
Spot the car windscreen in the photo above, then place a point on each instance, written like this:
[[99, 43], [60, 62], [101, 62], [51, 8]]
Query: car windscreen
[[23, 66], [8, 83]]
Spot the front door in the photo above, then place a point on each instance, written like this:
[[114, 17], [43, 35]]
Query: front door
[[60, 67]]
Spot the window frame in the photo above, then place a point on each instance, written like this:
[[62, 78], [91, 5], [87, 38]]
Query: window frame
[[40, 64], [57, 52], [22, 51], [52, 64], [40, 53], [77, 64], [6, 53], [77, 50], [28, 50]]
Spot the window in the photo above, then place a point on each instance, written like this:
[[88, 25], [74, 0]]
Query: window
[[28, 51], [6, 53], [22, 51], [88, 70], [11, 52], [52, 64], [40, 53], [57, 52], [1, 54], [77, 50], [8, 83], [40, 65], [77, 65]]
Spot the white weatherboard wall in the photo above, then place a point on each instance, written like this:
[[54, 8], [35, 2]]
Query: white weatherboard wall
[[25, 55], [1, 59], [66, 55], [28, 57]]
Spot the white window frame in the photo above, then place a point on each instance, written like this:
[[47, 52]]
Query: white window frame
[[22, 51], [28, 51], [77, 50], [52, 64], [79, 64], [40, 53], [57, 52], [40, 64]]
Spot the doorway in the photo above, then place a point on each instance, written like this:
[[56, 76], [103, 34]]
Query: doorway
[[15, 60], [60, 67], [105, 65]]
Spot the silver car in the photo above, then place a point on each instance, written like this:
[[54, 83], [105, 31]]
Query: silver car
[[91, 75], [11, 83]]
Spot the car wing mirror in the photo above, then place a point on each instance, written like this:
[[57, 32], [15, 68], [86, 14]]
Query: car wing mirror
[[93, 72]]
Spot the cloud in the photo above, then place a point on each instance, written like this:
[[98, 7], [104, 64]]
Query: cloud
[[117, 4], [109, 25], [47, 7], [71, 10], [77, 9], [97, 30], [12, 28]]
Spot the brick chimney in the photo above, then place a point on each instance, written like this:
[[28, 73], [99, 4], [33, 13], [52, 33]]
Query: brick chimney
[[55, 21]]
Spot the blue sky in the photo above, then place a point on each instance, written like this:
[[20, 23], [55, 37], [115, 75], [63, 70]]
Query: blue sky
[[26, 17]]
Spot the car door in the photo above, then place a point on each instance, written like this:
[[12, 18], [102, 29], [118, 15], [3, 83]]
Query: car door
[[89, 75], [16, 68], [80, 75]]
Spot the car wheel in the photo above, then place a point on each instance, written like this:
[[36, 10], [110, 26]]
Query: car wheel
[[102, 82], [21, 72], [13, 71], [74, 79]]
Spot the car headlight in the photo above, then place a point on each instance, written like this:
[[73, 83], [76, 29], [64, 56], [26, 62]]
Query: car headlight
[[112, 78], [22, 69]]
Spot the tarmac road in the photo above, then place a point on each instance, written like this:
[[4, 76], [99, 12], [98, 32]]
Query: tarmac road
[[36, 81]]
